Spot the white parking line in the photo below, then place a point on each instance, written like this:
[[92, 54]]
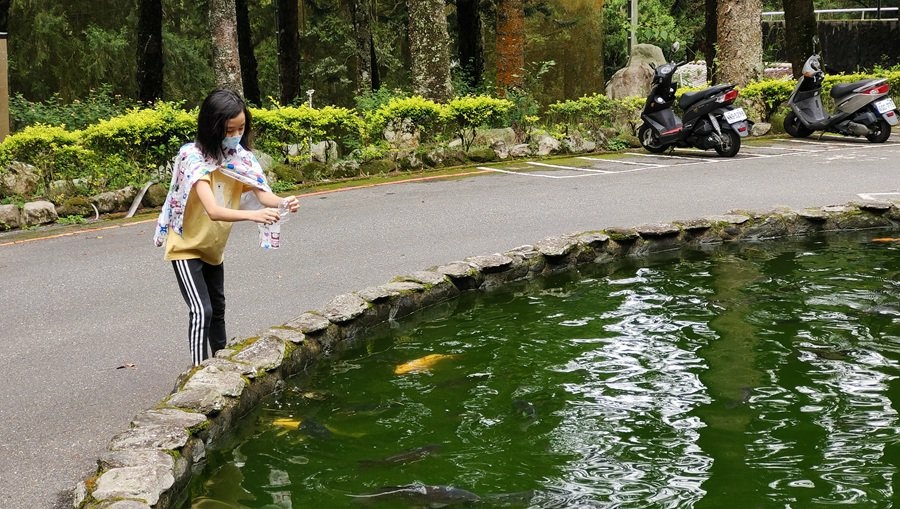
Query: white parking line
[[773, 147], [560, 167], [645, 165], [531, 174], [669, 156]]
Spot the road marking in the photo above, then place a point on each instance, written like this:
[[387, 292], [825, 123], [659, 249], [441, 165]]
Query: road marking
[[645, 165], [560, 167], [532, 174], [669, 156], [773, 147]]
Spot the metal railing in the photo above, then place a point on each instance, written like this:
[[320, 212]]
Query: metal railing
[[860, 13]]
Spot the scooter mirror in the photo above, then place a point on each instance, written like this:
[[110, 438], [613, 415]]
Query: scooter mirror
[[815, 42], [675, 46]]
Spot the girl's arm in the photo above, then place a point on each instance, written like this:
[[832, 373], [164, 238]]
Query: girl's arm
[[218, 213], [273, 200]]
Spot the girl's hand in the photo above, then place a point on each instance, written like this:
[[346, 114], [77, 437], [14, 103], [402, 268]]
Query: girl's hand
[[292, 203], [264, 216]]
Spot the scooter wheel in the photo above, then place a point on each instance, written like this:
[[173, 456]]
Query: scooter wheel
[[793, 127], [731, 143], [881, 131], [648, 140]]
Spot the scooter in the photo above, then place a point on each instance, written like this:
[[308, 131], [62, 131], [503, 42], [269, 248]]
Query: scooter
[[710, 121], [862, 108]]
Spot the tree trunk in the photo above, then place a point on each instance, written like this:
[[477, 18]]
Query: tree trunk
[[799, 29], [226, 58], [471, 41], [709, 46], [4, 15], [249, 77], [376, 76], [362, 34], [510, 44], [150, 51], [740, 41], [429, 47], [287, 18]]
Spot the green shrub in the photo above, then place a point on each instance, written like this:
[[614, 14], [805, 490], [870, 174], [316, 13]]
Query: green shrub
[[421, 114], [146, 140], [466, 114], [586, 114], [767, 96], [288, 130]]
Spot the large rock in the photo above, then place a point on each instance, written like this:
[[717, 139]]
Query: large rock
[[38, 212], [10, 217], [402, 134], [19, 179], [324, 151], [634, 79]]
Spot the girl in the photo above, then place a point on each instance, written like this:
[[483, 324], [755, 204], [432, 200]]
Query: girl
[[208, 178]]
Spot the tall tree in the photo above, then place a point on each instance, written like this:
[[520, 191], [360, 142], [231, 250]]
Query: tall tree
[[4, 15], [799, 29], [739, 37], [429, 47], [150, 51], [510, 46], [471, 41], [366, 65], [287, 18], [249, 76], [710, 42], [226, 57]]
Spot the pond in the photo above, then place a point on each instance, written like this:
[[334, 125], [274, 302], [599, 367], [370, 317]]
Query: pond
[[762, 375]]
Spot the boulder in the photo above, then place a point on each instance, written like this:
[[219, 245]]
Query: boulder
[[547, 145], [634, 79], [10, 217], [324, 151], [19, 179], [38, 212], [155, 195], [402, 134]]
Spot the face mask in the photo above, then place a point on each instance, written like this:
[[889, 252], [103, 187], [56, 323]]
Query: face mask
[[232, 142]]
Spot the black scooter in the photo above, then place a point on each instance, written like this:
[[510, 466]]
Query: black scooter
[[710, 121], [862, 108]]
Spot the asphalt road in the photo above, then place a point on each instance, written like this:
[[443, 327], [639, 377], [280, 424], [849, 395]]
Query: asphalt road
[[75, 308]]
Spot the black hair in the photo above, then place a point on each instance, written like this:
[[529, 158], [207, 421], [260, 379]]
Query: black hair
[[217, 109]]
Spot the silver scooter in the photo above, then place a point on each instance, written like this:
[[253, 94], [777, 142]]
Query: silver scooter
[[862, 108]]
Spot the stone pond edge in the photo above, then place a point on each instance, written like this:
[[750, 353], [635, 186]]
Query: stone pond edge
[[150, 464]]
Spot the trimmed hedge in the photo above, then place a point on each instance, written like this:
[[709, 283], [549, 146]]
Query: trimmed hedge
[[139, 145]]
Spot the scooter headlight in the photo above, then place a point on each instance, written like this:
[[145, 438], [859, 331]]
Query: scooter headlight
[[659, 100]]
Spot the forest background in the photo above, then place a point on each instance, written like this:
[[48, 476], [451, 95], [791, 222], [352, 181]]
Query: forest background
[[65, 51]]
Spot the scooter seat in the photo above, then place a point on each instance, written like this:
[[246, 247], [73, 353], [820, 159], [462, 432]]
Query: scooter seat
[[690, 98], [847, 88]]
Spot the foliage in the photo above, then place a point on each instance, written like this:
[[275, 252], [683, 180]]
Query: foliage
[[525, 107], [144, 139], [99, 104], [586, 114], [71, 219], [406, 114], [288, 130], [768, 94], [49, 149], [656, 25], [466, 114]]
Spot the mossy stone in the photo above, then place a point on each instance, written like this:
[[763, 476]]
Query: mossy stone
[[378, 167], [287, 173], [155, 196], [76, 206], [481, 155], [313, 170]]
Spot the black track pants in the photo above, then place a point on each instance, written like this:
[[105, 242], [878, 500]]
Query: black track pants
[[203, 288]]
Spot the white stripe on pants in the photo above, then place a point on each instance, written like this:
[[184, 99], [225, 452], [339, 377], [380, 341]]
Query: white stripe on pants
[[202, 286]]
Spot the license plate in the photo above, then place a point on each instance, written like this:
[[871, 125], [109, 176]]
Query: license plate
[[885, 105], [735, 115]]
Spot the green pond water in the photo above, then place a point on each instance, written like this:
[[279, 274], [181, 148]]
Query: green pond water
[[759, 376]]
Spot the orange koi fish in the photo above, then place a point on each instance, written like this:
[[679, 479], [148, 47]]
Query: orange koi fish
[[421, 364]]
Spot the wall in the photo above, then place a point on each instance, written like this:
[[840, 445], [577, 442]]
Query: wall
[[846, 45]]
